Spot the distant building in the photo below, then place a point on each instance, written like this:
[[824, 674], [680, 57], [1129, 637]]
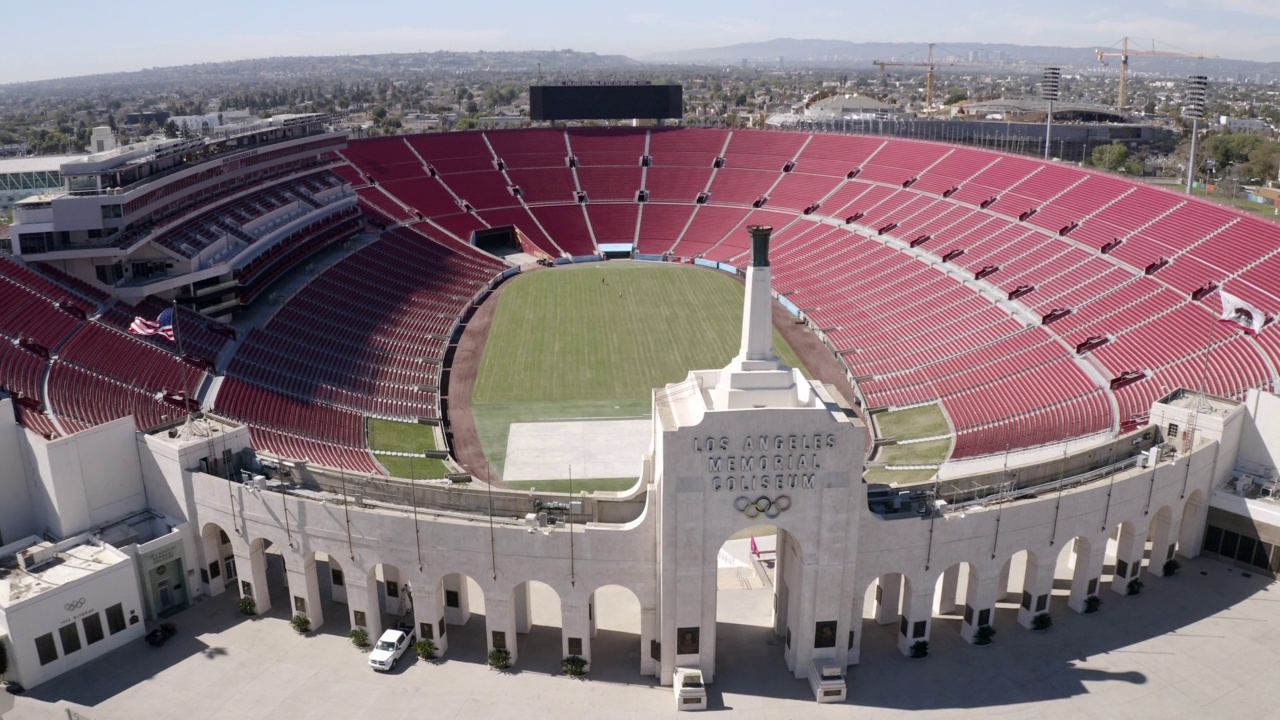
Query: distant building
[[851, 107], [1247, 125], [21, 178]]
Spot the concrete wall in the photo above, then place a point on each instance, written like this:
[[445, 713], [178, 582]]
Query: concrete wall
[[17, 518], [88, 479], [1260, 435]]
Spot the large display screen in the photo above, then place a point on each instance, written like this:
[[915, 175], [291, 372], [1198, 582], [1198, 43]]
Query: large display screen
[[606, 102]]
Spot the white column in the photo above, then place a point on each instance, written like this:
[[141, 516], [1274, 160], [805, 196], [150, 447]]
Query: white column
[[575, 624], [362, 600], [1090, 554], [981, 593], [1037, 589], [950, 585], [304, 589], [1162, 547], [917, 607], [520, 603], [888, 599], [648, 634], [500, 617], [251, 567], [1129, 550], [212, 549]]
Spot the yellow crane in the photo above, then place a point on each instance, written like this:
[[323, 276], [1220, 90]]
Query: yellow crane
[[928, 91], [1124, 53]]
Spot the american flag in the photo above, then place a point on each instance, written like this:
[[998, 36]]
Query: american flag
[[162, 325]]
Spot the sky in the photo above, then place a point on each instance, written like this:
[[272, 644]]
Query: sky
[[77, 37]]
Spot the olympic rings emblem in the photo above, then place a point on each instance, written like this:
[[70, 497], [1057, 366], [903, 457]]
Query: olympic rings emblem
[[74, 605], [763, 505]]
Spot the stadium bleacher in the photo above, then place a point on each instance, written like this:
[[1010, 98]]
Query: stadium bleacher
[[884, 264]]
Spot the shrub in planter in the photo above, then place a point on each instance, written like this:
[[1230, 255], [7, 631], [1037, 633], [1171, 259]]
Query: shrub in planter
[[983, 635], [247, 605], [574, 665], [426, 649], [919, 649], [1135, 586], [1171, 567], [499, 658], [301, 623], [1043, 621], [1091, 603], [359, 637]]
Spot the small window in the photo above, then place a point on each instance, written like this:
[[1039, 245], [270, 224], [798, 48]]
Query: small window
[[93, 629], [115, 618], [1212, 538], [70, 636], [393, 590], [1244, 553], [222, 536], [1230, 541], [336, 575], [46, 649]]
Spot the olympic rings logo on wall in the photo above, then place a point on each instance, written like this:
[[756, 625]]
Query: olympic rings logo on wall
[[74, 605], [763, 505]]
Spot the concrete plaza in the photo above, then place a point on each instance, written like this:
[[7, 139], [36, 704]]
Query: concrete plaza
[[1202, 644]]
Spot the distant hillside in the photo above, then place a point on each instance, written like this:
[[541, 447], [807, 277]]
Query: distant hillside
[[846, 54], [332, 68]]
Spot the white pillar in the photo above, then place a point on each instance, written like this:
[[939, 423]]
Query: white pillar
[[649, 665], [251, 567], [1129, 551], [212, 550], [917, 617], [950, 585], [1037, 588], [304, 589], [1090, 555], [981, 592], [1162, 547], [888, 599], [362, 603], [500, 625], [520, 604], [576, 628]]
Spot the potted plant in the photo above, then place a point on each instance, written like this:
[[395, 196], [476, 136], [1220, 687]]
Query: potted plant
[[301, 623], [1091, 603], [1042, 622], [426, 649], [247, 605], [499, 658], [574, 666], [1135, 586], [1171, 567], [919, 649], [983, 635], [359, 637]]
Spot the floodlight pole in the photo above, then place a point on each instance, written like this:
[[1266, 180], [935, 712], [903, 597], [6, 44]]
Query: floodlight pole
[[1048, 130], [573, 580], [1197, 86], [1191, 162], [1049, 88]]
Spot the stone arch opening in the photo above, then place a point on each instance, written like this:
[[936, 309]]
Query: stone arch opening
[[539, 618], [618, 634], [465, 618], [219, 557], [756, 569]]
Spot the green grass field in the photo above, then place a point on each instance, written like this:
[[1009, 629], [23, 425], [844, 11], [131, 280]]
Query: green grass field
[[918, 422], [564, 344], [405, 437]]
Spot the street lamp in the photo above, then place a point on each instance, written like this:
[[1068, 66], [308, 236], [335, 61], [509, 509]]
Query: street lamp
[[1050, 88], [1196, 88]]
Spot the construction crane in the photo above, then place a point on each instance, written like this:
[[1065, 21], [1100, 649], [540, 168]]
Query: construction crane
[[1125, 53], [928, 92]]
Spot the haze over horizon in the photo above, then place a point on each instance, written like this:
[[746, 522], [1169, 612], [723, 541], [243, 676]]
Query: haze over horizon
[[43, 45]]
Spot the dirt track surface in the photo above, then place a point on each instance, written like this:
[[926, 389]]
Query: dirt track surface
[[462, 383], [820, 361]]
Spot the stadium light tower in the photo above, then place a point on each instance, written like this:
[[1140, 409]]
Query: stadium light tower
[[1197, 85], [1050, 88]]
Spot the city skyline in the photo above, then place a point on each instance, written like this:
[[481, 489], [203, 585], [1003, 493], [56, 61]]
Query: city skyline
[[88, 44]]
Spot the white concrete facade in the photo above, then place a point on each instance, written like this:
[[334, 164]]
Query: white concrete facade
[[750, 444]]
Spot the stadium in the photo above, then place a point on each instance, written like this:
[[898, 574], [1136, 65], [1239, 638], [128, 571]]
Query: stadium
[[1067, 374]]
